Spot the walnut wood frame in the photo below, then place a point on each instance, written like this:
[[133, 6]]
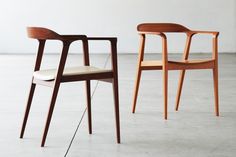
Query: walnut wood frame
[[165, 65], [43, 34]]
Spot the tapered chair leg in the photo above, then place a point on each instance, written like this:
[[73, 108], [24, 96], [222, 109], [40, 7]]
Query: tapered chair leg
[[50, 112], [136, 88], [215, 78], [116, 102], [27, 110], [165, 92], [181, 80], [88, 94]]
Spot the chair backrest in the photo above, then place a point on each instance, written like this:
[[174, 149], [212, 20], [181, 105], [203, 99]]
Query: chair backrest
[[42, 33], [161, 27]]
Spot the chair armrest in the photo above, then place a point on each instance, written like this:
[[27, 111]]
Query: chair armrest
[[153, 33], [72, 38], [214, 33], [102, 38], [214, 41], [113, 41]]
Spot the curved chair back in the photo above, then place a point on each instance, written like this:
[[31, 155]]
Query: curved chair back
[[161, 27], [42, 33]]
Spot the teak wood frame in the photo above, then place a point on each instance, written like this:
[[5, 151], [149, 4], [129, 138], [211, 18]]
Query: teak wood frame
[[165, 65], [43, 34]]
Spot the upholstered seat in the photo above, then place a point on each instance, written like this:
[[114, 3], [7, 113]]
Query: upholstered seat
[[50, 74]]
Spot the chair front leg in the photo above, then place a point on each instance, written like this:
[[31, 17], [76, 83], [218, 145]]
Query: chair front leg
[[50, 111], [165, 73], [27, 110], [182, 72], [88, 95], [65, 49], [116, 102], [139, 71]]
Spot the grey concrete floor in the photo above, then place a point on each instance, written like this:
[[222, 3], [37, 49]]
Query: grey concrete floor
[[192, 131]]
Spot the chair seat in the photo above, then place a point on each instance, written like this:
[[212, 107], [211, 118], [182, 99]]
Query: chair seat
[[178, 65], [50, 74]]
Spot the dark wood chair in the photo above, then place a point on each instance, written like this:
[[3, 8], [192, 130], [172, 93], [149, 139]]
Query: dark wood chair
[[165, 64], [54, 77]]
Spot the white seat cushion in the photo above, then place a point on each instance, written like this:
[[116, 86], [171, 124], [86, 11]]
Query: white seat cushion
[[50, 74]]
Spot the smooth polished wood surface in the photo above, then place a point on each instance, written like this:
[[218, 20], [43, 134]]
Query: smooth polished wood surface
[[111, 76], [138, 75], [182, 72], [161, 27], [165, 64]]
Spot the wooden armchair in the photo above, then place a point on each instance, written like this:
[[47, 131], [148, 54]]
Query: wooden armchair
[[54, 77], [165, 64]]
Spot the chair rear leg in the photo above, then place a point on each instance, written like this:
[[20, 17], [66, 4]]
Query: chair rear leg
[[181, 80], [50, 112], [136, 88], [216, 93], [27, 110], [116, 102], [88, 93]]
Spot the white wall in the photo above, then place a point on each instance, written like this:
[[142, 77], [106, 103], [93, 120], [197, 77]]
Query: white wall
[[116, 18]]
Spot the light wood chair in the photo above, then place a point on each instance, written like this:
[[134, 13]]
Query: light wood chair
[[54, 77], [165, 65]]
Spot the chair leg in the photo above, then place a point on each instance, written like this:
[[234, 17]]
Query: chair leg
[[88, 94], [50, 112], [165, 91], [216, 93], [116, 102], [27, 110], [181, 80], [136, 88]]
